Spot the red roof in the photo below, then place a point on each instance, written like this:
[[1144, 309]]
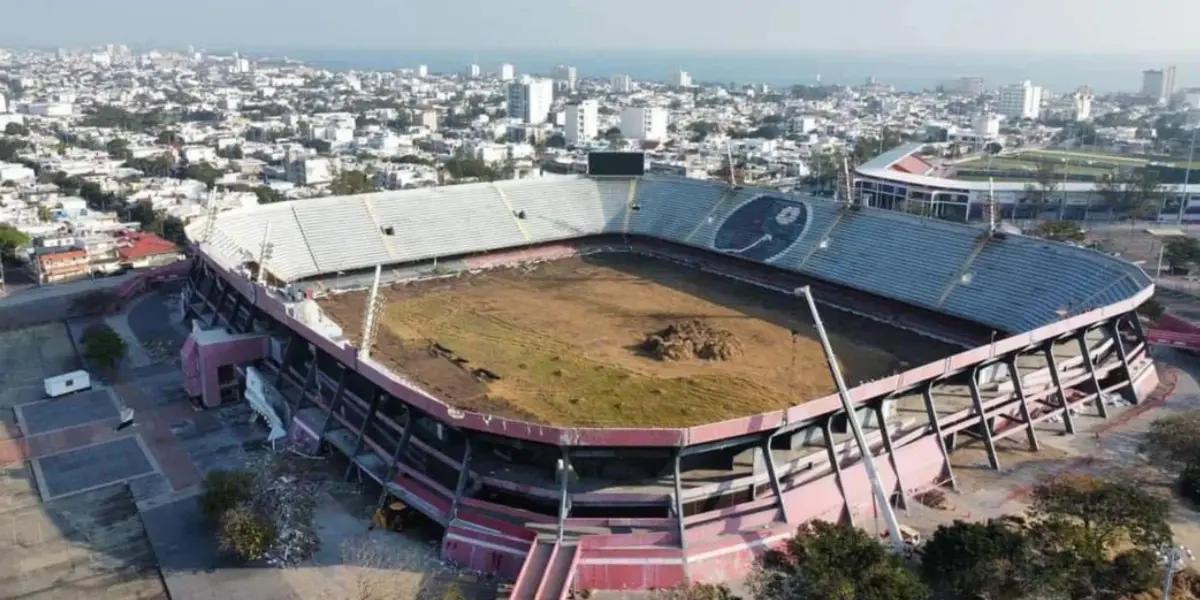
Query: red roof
[[912, 164], [133, 246]]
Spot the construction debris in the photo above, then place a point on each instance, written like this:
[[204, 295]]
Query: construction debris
[[685, 340]]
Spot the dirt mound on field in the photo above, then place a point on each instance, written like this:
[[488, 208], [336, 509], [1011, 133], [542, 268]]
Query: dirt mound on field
[[685, 340]]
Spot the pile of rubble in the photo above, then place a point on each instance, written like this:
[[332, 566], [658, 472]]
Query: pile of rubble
[[685, 340]]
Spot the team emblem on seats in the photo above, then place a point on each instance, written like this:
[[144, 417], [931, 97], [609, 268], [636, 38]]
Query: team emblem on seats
[[762, 228]]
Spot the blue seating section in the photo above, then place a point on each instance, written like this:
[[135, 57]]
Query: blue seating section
[[894, 255], [1012, 284]]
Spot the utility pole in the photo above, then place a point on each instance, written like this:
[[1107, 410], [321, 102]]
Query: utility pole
[[1187, 175], [882, 498]]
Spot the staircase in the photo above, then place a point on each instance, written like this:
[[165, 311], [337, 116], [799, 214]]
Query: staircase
[[548, 570]]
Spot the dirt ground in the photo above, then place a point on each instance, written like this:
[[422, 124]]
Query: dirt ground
[[558, 343]]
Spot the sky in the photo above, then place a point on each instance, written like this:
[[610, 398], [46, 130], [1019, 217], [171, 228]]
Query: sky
[[1150, 28]]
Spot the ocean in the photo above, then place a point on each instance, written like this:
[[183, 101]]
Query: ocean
[[905, 71]]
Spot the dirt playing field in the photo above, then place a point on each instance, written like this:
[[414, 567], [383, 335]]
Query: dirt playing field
[[561, 343]]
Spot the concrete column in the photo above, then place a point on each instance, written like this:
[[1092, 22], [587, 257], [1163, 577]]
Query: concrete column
[[773, 476], [1019, 389], [887, 445], [1056, 378], [931, 411], [984, 425], [834, 464], [1090, 364]]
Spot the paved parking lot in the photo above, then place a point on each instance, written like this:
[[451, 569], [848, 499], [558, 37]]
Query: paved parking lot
[[67, 411], [91, 466]]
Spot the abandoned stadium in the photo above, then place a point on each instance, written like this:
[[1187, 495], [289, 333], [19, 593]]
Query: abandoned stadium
[[506, 390]]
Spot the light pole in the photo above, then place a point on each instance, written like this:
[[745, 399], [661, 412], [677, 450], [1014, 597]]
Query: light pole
[[882, 498], [1174, 558], [1187, 175], [1062, 205]]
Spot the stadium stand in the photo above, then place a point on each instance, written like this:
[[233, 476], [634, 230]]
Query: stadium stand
[[1011, 284]]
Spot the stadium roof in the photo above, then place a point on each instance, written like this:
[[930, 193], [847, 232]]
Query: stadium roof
[[1013, 284], [888, 166]]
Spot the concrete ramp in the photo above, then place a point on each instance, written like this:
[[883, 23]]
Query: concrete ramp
[[547, 572]]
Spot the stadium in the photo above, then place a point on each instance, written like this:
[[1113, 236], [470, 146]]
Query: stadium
[[610, 382]]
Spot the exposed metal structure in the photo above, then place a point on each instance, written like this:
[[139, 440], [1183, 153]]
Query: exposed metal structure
[[882, 497], [372, 313]]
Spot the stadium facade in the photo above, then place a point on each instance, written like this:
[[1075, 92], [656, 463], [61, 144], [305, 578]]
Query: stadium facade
[[900, 179], [1046, 331]]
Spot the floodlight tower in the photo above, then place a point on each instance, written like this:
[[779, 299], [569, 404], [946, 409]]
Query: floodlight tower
[[883, 499]]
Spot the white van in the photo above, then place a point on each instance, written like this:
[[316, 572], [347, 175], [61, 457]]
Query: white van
[[67, 383]]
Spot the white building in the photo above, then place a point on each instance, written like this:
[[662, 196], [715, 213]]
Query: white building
[[987, 125], [644, 123], [583, 120], [3, 104], [804, 123], [507, 72], [1158, 84], [529, 99], [422, 71], [683, 79], [1020, 101], [1191, 98], [565, 76], [310, 171], [427, 118], [622, 84], [16, 172], [472, 71], [199, 154], [1083, 103]]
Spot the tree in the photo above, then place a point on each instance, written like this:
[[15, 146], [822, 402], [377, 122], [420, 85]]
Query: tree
[[223, 490], [172, 229], [267, 195], [868, 147], [1173, 441], [838, 562], [769, 132], [1047, 178], [103, 346], [695, 591], [1143, 191], [11, 238], [44, 213], [701, 129], [615, 139], [1109, 187], [205, 172], [1181, 252], [9, 147], [234, 152], [1173, 444], [1060, 231], [246, 533], [16, 129], [993, 560], [351, 182], [1079, 521], [119, 149], [143, 212], [463, 166], [159, 166]]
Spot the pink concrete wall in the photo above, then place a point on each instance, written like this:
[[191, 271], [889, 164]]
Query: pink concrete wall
[[208, 358]]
